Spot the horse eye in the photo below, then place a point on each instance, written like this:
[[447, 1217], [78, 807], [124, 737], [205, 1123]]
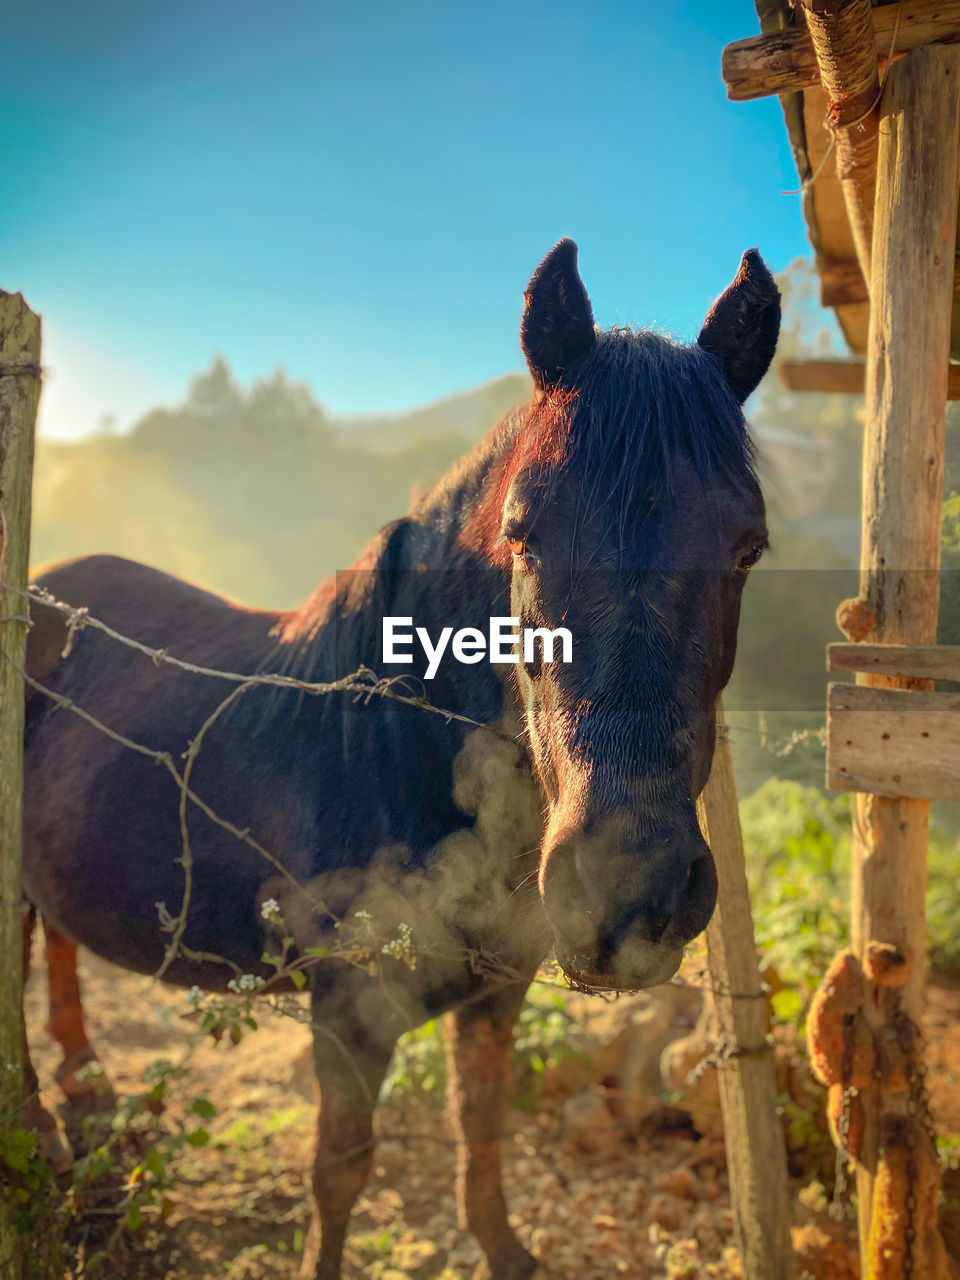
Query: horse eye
[[752, 556], [517, 545]]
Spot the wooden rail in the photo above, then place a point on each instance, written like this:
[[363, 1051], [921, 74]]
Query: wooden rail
[[785, 61], [893, 742], [841, 282], [843, 377], [919, 661]]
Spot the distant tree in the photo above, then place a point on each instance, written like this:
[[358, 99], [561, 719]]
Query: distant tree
[[214, 392]]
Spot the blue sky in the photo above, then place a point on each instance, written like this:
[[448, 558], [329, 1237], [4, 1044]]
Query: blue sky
[[359, 192]]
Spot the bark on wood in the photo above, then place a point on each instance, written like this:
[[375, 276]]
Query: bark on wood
[[784, 61], [921, 661], [845, 49], [841, 282], [893, 742], [906, 386], [19, 393], [756, 1154], [844, 377]]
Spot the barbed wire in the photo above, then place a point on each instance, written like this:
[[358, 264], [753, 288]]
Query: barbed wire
[[364, 682]]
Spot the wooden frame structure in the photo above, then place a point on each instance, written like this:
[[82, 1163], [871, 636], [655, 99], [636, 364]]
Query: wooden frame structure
[[880, 188]]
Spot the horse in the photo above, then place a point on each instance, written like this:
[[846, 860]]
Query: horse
[[553, 806]]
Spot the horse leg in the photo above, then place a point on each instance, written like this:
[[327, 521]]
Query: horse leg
[[479, 1036], [351, 1059], [53, 1141], [65, 1023]]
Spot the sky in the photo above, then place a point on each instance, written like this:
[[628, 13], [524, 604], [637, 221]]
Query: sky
[[359, 192]]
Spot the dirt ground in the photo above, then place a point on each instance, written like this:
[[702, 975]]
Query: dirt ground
[[653, 1206]]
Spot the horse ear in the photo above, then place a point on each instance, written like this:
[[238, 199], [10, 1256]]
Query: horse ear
[[557, 324], [743, 325]]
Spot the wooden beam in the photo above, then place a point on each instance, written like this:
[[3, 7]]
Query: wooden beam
[[842, 283], [785, 61], [893, 743], [846, 52], [753, 1135], [919, 661], [827, 377], [906, 390], [842, 377]]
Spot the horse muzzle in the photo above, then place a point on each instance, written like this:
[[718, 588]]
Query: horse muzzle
[[622, 916]]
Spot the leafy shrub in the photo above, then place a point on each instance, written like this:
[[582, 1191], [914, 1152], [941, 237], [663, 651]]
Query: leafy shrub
[[797, 843], [418, 1068], [541, 1041], [542, 1038], [797, 846]]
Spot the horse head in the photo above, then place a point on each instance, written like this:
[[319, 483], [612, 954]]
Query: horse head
[[630, 514]]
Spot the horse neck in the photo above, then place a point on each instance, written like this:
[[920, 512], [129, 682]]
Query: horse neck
[[420, 566]]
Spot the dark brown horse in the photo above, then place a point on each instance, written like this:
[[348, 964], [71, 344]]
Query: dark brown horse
[[622, 505]]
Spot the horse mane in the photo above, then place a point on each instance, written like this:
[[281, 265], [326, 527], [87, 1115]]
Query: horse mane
[[623, 417]]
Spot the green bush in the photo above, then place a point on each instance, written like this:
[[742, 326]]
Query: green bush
[[541, 1041], [797, 843], [797, 847]]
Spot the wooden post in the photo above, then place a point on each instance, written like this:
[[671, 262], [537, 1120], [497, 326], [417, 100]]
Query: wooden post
[[756, 1152], [906, 389], [19, 394], [846, 52]]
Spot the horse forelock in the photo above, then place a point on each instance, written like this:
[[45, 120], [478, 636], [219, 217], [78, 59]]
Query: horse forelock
[[620, 423]]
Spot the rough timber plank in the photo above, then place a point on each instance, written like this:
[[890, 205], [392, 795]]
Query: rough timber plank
[[920, 661], [892, 742], [841, 283]]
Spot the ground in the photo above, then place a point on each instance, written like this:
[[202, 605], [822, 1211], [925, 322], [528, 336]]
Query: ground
[[656, 1205]]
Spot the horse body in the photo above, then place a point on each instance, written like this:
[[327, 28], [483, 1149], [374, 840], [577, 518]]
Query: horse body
[[621, 502], [323, 783]]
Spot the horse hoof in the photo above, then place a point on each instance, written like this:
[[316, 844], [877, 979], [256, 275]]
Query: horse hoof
[[52, 1141], [82, 1075], [56, 1149]]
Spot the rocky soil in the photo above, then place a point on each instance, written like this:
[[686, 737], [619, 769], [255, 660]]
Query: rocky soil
[[618, 1170]]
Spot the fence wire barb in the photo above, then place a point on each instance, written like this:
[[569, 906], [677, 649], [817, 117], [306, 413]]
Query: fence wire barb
[[363, 682]]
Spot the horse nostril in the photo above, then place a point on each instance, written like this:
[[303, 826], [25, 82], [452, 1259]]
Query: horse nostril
[[696, 902], [637, 921]]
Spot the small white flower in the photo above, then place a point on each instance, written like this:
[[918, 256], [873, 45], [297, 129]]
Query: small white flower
[[401, 947], [362, 915], [270, 909], [246, 982], [194, 995]]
